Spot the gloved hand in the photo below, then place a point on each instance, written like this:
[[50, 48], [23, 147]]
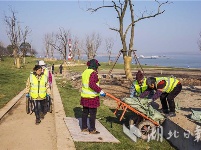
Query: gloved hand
[[48, 95], [102, 93], [27, 95]]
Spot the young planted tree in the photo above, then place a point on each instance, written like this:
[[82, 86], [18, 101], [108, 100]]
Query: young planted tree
[[47, 42], [60, 42], [49, 49], [109, 42], [16, 35], [121, 7], [92, 44], [76, 49]]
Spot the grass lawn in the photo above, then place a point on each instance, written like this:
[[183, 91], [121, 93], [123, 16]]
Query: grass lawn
[[13, 80]]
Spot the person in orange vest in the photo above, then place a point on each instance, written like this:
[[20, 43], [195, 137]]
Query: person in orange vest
[[90, 96], [37, 88]]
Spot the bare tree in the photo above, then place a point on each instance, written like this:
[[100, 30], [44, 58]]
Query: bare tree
[[13, 32], [92, 44], [16, 35], [109, 42], [47, 41], [60, 43], [51, 47], [199, 42], [74, 48], [25, 46], [121, 9]]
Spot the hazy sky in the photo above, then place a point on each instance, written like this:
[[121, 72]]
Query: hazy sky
[[177, 30]]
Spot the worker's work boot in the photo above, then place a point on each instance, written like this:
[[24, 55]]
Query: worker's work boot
[[38, 121], [42, 115], [172, 114], [85, 130], [165, 111], [94, 132]]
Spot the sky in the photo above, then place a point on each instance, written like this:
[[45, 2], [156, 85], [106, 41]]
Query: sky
[[175, 31]]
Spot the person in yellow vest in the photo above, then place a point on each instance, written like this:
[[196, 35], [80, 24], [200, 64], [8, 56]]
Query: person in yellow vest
[[37, 88], [90, 94], [46, 72], [139, 86], [167, 88]]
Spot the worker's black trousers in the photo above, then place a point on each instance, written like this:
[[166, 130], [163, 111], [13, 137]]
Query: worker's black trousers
[[39, 107], [92, 112], [169, 98]]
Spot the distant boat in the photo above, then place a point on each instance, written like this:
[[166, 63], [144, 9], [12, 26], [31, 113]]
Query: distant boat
[[148, 57]]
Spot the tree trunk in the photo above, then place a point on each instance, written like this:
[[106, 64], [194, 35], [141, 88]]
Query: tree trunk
[[18, 62], [24, 60], [65, 69], [127, 67]]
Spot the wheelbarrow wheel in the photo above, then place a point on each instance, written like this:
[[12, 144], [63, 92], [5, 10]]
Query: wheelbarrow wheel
[[135, 120], [131, 122], [28, 105], [146, 128], [49, 104]]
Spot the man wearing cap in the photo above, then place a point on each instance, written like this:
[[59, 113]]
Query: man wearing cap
[[90, 94], [139, 85]]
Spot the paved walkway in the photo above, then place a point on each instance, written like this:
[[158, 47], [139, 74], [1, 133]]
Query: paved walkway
[[64, 140]]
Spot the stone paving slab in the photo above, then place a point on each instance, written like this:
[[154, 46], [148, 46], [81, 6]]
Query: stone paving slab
[[74, 127]]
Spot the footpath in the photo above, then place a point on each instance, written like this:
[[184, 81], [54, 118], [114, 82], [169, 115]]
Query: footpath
[[19, 132]]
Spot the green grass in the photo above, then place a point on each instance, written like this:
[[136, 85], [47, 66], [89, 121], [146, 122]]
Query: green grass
[[71, 101], [13, 80]]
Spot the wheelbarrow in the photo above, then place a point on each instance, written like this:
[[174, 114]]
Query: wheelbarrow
[[145, 124]]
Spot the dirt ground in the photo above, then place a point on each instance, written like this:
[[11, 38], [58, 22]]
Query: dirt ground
[[19, 132]]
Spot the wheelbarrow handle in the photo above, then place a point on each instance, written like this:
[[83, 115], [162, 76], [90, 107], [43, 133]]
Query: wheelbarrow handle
[[132, 109]]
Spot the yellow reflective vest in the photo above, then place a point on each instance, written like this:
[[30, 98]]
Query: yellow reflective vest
[[87, 92], [38, 86], [171, 83], [46, 72], [140, 88]]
